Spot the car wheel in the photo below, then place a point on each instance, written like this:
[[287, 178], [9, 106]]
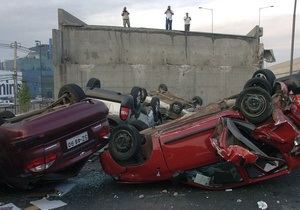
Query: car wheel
[[255, 104], [136, 92], [125, 143], [162, 88], [6, 114], [144, 94], [259, 82], [155, 104], [197, 100], [73, 92], [176, 107], [265, 74], [93, 83]]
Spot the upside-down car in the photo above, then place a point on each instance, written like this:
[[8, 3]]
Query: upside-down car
[[52, 143], [171, 105], [230, 143]]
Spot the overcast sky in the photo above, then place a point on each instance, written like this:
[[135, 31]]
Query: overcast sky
[[25, 21]]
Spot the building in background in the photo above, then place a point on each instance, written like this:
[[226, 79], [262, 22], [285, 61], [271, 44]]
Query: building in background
[[36, 69]]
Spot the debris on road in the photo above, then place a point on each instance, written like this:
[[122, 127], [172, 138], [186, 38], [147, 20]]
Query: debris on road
[[9, 206], [44, 203], [62, 189], [262, 205]]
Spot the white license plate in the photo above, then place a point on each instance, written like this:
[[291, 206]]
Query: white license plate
[[76, 140]]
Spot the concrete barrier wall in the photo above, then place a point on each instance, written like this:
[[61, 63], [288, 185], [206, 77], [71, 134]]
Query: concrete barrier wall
[[212, 66]]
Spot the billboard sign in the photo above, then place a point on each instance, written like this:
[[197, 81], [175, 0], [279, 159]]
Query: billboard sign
[[7, 83]]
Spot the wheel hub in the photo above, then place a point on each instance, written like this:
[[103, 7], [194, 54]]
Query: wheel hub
[[123, 142], [253, 104], [261, 75]]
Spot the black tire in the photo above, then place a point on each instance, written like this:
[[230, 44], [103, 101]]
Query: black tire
[[136, 93], [255, 104], [265, 74], [259, 82], [73, 92], [144, 94], [155, 104], [93, 83], [162, 88], [176, 107], [125, 143], [197, 100], [6, 114]]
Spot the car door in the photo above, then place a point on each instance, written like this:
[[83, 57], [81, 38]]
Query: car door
[[187, 145]]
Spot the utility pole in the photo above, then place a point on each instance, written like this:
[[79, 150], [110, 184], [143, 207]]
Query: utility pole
[[15, 74], [39, 44]]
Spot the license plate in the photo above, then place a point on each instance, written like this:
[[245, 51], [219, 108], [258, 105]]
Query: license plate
[[76, 140]]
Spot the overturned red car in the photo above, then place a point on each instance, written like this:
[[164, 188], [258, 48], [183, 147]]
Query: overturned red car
[[233, 142]]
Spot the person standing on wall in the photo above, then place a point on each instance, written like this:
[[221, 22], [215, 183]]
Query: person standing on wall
[[169, 14], [125, 15], [187, 22]]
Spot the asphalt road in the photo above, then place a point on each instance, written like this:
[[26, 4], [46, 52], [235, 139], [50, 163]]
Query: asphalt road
[[93, 189]]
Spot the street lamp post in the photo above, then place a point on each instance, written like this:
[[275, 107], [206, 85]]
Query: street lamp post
[[212, 18], [259, 13], [293, 38], [259, 22], [38, 43]]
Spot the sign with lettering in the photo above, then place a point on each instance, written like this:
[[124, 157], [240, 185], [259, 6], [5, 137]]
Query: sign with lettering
[[7, 83]]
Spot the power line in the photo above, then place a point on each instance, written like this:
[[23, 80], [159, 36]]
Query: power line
[[5, 45], [19, 47]]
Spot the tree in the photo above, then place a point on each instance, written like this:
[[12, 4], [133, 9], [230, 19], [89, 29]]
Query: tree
[[24, 97]]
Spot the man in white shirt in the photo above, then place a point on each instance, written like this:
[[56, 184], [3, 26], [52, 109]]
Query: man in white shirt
[[169, 14], [125, 15], [187, 22]]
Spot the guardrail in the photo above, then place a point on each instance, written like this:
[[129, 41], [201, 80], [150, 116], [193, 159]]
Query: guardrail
[[17, 109]]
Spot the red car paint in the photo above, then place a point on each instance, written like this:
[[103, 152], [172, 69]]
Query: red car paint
[[211, 149]]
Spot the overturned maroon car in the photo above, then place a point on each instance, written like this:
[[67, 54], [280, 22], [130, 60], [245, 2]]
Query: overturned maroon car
[[233, 142], [52, 143]]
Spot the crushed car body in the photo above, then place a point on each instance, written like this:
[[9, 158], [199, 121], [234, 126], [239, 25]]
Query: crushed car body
[[230, 143], [52, 143]]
